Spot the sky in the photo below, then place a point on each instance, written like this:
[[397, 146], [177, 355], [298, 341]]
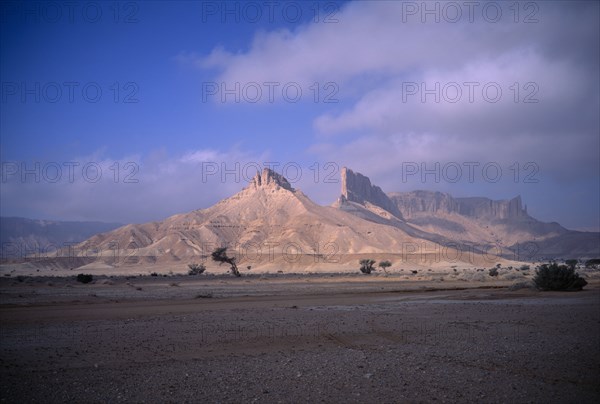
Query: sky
[[134, 111]]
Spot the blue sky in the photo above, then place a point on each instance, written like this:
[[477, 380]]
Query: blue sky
[[495, 101]]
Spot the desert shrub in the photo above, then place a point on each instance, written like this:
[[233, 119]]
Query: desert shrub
[[414, 271], [384, 264], [153, 274], [493, 271], [196, 269], [220, 255], [524, 267], [558, 277], [593, 263], [366, 265], [84, 278]]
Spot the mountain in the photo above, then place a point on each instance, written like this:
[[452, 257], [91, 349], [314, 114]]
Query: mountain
[[414, 203], [271, 226], [20, 237], [267, 223], [503, 226]]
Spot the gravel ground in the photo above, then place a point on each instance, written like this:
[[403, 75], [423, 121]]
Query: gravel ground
[[316, 345]]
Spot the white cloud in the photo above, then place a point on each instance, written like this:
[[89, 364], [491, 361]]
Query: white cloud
[[378, 47]]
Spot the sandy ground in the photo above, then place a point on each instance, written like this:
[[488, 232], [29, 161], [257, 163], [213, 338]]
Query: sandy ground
[[296, 339]]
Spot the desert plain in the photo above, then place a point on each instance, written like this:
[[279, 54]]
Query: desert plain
[[297, 338]]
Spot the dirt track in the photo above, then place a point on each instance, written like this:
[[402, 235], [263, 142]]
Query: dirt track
[[329, 341]]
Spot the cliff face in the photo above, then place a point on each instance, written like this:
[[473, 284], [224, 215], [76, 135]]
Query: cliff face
[[358, 188], [418, 202], [484, 207], [415, 202]]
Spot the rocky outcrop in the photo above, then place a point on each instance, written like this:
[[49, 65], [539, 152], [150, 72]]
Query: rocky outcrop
[[269, 178], [415, 203], [487, 208], [358, 188]]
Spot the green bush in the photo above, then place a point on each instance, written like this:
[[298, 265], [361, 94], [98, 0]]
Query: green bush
[[366, 266], [558, 277], [196, 269], [84, 278]]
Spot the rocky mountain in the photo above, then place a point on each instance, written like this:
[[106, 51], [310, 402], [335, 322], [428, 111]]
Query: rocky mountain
[[415, 203], [271, 226], [500, 225], [20, 237]]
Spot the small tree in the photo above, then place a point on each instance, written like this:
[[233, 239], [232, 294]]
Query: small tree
[[196, 269], [220, 255], [493, 271], [366, 265], [385, 264], [558, 277]]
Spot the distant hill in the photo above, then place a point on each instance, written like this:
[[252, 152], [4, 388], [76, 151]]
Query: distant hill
[[20, 237]]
